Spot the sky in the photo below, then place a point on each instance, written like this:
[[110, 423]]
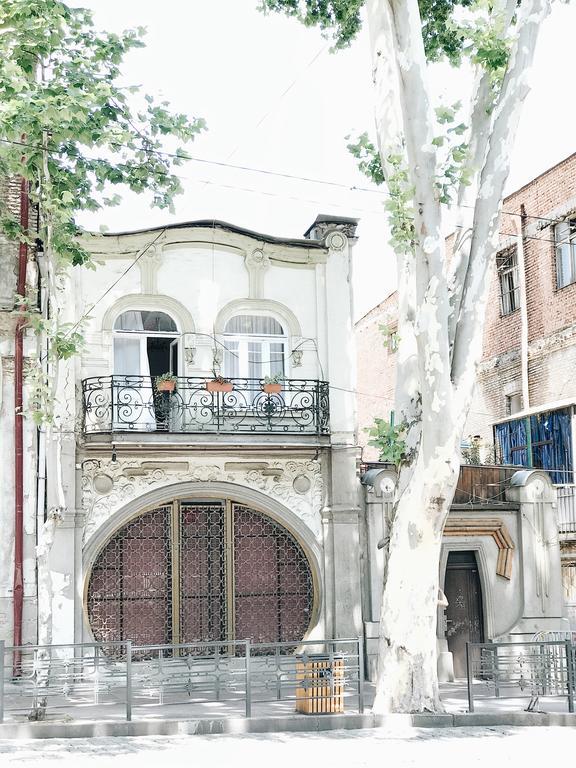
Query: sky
[[275, 99]]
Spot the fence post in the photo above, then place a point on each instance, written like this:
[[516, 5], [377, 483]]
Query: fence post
[[1, 681], [469, 680], [248, 681], [360, 675], [570, 664], [128, 680], [496, 672]]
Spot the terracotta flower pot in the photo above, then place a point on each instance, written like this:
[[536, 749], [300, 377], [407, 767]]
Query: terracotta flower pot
[[218, 386], [166, 386], [272, 389]]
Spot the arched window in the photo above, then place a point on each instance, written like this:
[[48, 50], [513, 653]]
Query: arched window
[[145, 343], [255, 347]]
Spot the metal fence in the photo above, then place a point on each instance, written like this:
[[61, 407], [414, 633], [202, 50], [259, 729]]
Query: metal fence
[[566, 509], [134, 404], [192, 680], [532, 670]]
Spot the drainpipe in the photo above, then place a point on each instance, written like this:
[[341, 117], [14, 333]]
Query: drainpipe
[[520, 223], [19, 433]]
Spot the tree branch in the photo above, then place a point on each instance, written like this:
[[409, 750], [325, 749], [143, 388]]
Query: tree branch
[[431, 294], [468, 337], [479, 133]]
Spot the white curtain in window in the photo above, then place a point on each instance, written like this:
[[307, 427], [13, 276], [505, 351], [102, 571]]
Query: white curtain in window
[[135, 403], [255, 347], [254, 325]]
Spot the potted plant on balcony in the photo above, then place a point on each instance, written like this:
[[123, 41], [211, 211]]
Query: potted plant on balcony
[[272, 385], [219, 384], [166, 382]]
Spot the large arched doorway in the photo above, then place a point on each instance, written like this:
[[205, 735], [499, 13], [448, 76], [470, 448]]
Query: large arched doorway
[[201, 570]]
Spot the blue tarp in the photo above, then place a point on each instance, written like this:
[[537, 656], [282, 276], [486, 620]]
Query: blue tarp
[[551, 438]]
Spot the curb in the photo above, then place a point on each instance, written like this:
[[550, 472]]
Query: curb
[[301, 723]]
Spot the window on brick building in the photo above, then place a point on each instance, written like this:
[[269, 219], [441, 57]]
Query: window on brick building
[[565, 237], [507, 265], [513, 403]]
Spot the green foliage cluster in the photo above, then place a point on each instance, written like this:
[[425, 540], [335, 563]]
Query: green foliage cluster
[[454, 169], [391, 337], [63, 340], [389, 439], [68, 127], [400, 192], [365, 151], [400, 206], [75, 134], [342, 19]]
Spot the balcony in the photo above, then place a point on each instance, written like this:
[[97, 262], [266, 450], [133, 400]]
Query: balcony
[[566, 511], [133, 404]]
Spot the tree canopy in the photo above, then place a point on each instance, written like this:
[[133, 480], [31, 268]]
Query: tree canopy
[[69, 127], [341, 19]]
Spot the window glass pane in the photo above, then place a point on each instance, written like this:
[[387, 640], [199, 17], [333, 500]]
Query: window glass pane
[[276, 359], [144, 320], [561, 231], [232, 359], [127, 356], [254, 325], [254, 360], [564, 265]]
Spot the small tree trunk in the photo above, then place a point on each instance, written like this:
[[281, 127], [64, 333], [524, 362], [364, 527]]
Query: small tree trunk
[[407, 678]]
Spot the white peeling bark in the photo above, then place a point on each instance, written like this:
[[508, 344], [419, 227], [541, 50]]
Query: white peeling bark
[[390, 134], [480, 125], [434, 382], [407, 678]]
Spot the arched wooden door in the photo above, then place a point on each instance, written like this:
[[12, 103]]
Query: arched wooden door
[[201, 570]]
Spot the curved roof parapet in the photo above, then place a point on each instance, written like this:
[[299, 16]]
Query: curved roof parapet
[[227, 227]]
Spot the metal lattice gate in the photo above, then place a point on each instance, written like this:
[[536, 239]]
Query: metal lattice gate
[[196, 570]]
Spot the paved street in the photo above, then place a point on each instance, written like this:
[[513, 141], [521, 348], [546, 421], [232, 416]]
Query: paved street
[[398, 748]]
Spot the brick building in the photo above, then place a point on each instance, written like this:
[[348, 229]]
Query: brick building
[[523, 410]]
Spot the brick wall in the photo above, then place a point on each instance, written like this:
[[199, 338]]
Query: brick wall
[[551, 314], [377, 370]]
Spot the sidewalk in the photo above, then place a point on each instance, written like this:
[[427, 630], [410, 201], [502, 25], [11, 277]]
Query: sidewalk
[[72, 721]]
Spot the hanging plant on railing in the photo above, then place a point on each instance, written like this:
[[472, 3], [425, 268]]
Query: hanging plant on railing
[[219, 384], [272, 385], [166, 382]]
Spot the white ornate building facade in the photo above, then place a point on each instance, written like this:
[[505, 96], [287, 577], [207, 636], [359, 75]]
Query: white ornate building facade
[[209, 463], [215, 511]]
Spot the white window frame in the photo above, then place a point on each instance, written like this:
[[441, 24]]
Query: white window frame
[[242, 341], [565, 237], [143, 337], [508, 280]]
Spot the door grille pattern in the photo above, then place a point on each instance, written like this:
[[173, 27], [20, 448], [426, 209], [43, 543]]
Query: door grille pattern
[[210, 571], [129, 594]]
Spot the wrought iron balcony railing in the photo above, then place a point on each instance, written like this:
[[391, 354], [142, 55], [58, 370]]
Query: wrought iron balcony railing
[[134, 404]]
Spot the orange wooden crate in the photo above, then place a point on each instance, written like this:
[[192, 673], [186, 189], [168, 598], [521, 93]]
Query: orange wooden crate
[[320, 688]]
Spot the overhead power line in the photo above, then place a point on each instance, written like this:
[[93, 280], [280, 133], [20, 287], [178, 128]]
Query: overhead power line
[[267, 172]]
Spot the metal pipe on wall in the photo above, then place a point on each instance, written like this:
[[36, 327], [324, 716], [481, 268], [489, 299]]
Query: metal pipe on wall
[[19, 432]]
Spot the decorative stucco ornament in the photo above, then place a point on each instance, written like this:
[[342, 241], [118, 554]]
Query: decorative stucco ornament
[[103, 484], [297, 485], [302, 484], [336, 241]]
